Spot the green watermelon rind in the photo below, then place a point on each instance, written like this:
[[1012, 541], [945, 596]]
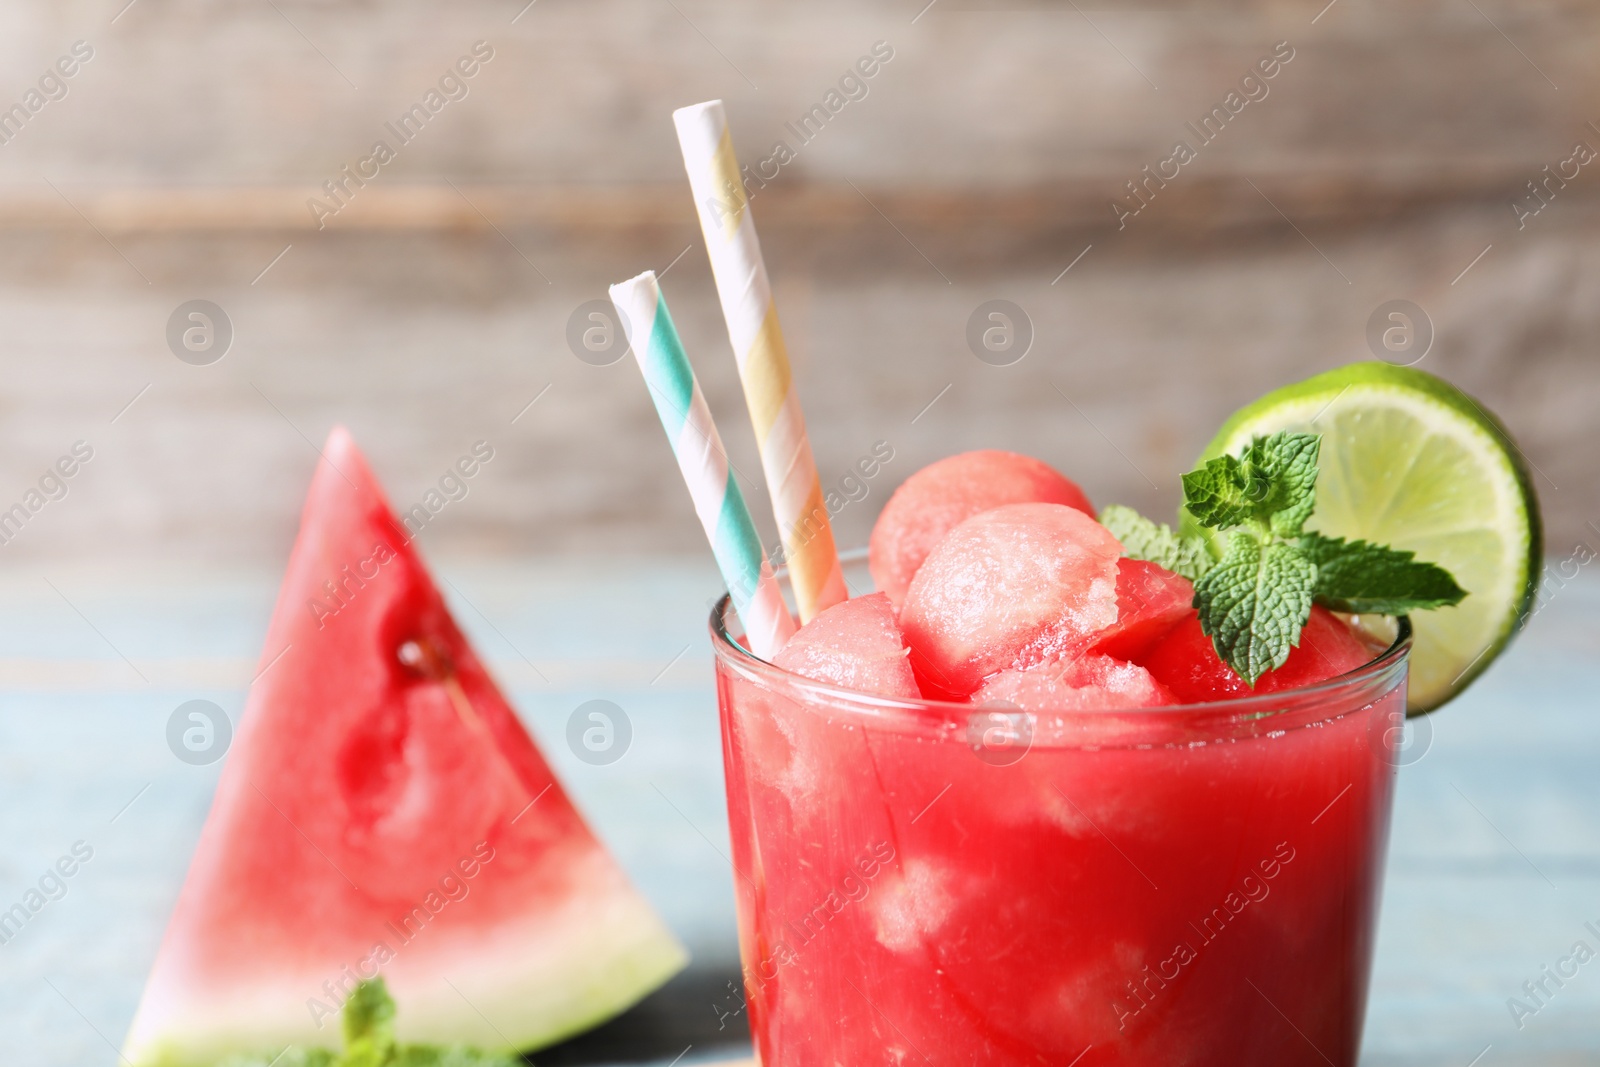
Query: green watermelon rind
[[626, 954]]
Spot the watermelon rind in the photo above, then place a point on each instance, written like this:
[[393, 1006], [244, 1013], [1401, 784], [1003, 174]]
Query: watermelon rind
[[523, 991]]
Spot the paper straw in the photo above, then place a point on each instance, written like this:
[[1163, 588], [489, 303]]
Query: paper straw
[[741, 275], [698, 448]]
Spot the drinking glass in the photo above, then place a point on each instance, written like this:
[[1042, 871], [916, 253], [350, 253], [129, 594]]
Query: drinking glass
[[932, 883]]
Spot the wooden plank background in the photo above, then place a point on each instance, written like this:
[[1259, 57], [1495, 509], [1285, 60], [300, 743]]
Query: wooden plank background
[[981, 162]]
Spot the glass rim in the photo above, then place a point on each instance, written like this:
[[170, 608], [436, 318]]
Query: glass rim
[[1370, 681]]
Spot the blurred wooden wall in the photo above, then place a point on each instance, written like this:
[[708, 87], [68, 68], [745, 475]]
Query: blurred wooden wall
[[1381, 161]]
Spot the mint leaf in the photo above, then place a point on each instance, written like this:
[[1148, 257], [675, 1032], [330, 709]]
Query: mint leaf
[[1254, 603], [1227, 491], [1143, 539], [1368, 579], [1289, 464], [1272, 483]]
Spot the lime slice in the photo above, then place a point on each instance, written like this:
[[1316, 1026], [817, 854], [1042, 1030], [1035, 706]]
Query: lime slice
[[1410, 461]]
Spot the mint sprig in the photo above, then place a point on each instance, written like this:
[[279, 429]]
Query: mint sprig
[[1272, 483], [368, 1025], [1255, 599]]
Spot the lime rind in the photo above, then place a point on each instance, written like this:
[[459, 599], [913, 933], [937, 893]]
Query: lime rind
[[1411, 461]]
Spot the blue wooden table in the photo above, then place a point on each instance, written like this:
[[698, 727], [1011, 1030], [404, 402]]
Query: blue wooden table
[[1493, 873]]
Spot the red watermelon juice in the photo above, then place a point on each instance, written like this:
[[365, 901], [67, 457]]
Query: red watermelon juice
[[935, 883]]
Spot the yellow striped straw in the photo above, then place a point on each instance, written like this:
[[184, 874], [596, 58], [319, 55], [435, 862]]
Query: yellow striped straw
[[747, 307]]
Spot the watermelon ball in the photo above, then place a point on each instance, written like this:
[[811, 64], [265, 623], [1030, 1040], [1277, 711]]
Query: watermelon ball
[[1186, 662], [932, 501], [1151, 600], [1092, 683], [856, 645], [1008, 588]]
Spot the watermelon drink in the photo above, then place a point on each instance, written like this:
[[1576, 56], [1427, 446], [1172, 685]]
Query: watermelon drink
[[1015, 810], [926, 882]]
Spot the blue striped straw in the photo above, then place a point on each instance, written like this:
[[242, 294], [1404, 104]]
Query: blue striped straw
[[704, 463]]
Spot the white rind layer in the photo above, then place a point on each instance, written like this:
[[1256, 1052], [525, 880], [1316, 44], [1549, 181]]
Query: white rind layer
[[522, 984]]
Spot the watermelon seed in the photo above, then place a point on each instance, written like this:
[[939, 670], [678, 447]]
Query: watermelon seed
[[432, 662], [424, 656]]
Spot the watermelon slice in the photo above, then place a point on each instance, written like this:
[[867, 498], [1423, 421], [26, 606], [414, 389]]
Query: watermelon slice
[[1092, 683], [384, 811], [1150, 602], [1008, 588], [855, 644], [931, 503]]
